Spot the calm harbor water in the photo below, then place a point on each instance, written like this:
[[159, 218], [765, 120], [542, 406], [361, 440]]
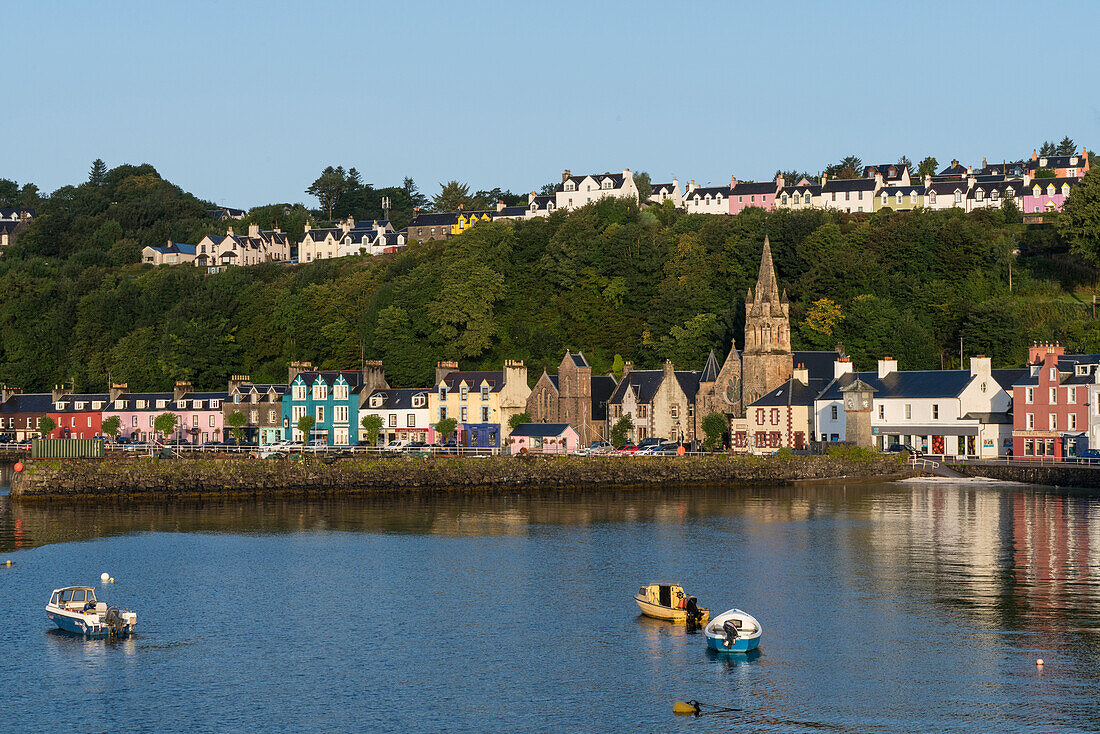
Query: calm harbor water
[[886, 608]]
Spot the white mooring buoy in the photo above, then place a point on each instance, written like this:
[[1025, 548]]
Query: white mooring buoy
[[104, 577]]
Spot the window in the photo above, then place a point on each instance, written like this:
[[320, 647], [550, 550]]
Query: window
[[211, 421], [931, 197], [994, 195], [833, 412], [442, 412], [463, 392], [1054, 421], [320, 414], [410, 420], [570, 186], [340, 392], [299, 392], [392, 420], [979, 195], [271, 418], [847, 196], [195, 420], [1071, 392], [881, 412], [1053, 396], [320, 390], [898, 198], [340, 436], [674, 411], [485, 414], [885, 198], [133, 421], [484, 392], [1029, 395], [935, 411], [834, 196], [1030, 421], [1072, 421], [442, 392], [908, 411], [340, 414], [958, 196]]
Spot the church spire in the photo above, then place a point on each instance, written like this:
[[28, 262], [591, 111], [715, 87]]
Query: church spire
[[767, 287]]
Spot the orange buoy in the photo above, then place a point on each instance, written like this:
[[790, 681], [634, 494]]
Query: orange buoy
[[19, 466]]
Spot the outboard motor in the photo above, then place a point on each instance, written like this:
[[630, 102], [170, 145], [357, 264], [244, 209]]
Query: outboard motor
[[114, 621], [730, 628], [692, 609]]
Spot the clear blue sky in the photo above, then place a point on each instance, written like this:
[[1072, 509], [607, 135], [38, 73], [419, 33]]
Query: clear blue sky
[[244, 102]]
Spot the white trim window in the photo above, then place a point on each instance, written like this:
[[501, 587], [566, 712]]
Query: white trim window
[[340, 413]]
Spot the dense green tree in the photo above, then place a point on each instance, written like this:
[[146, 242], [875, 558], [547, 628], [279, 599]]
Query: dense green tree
[[644, 184], [165, 424], [237, 421], [905, 163], [850, 166], [453, 196], [1047, 149], [517, 419], [446, 428], [98, 174], [305, 426], [715, 426], [1066, 147], [111, 425], [1079, 223], [329, 187], [929, 166], [372, 424], [621, 430], [46, 425]]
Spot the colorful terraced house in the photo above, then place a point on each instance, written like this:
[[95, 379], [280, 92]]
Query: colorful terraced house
[[333, 398], [481, 403]]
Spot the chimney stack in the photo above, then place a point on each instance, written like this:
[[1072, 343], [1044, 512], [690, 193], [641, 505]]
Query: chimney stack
[[442, 369], [887, 365], [297, 368], [235, 382], [842, 366], [981, 366], [59, 391], [254, 230], [565, 175], [116, 391], [374, 376], [180, 390], [801, 374], [6, 393], [628, 367]]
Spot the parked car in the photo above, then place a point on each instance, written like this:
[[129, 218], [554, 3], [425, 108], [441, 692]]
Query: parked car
[[26, 444], [627, 450], [1089, 455], [396, 445], [651, 441], [4, 438], [897, 448]]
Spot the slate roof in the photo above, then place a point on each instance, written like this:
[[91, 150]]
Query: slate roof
[[541, 430], [893, 191], [8, 227], [814, 189], [540, 202], [617, 179], [744, 188], [578, 359], [956, 170], [434, 219], [354, 378], [133, 397], [175, 247], [848, 184], [884, 169], [1006, 378], [668, 187], [35, 402], [1043, 182], [473, 380], [947, 187], [793, 392], [989, 417], [1056, 161], [907, 384], [1001, 169], [818, 364], [14, 214], [689, 383], [511, 211], [710, 369], [1002, 186], [400, 398], [68, 402], [702, 191], [554, 381], [1067, 363], [602, 388], [647, 382]]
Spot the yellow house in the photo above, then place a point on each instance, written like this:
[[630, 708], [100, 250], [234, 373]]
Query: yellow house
[[465, 220], [479, 402]]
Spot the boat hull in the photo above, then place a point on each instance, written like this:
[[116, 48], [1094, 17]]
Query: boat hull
[[82, 624], [668, 614], [739, 645]]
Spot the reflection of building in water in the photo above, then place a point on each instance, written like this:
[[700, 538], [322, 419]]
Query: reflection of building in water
[[1053, 545]]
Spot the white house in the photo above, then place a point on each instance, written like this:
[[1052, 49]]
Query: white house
[[576, 191], [849, 194], [707, 199], [663, 192], [956, 413], [174, 253], [259, 246], [404, 413], [802, 195]]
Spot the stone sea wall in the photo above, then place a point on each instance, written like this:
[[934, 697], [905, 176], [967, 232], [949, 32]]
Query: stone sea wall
[[220, 475], [1053, 475]]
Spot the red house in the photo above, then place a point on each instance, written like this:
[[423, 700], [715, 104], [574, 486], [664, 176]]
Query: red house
[[78, 415], [1050, 406]]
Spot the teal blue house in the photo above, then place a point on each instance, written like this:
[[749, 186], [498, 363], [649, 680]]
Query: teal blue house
[[333, 398]]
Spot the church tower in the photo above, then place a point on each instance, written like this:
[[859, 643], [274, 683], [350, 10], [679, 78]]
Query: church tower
[[767, 361]]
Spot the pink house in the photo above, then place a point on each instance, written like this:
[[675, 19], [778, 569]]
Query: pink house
[[1046, 194], [543, 438], [745, 194], [199, 416]]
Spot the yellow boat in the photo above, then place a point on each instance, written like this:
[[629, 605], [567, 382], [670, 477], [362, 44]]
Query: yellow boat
[[669, 602]]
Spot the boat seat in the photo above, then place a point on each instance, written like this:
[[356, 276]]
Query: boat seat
[[101, 608]]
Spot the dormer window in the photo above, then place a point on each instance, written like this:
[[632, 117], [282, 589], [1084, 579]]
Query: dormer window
[[1073, 160], [931, 197], [607, 184], [1050, 189], [122, 405], [979, 194], [340, 391], [958, 196], [994, 195], [237, 398], [418, 401], [898, 198], [463, 392], [1042, 162], [1009, 193], [215, 404], [885, 198], [1036, 191], [79, 405], [97, 405], [484, 392], [1065, 189], [569, 186], [442, 392]]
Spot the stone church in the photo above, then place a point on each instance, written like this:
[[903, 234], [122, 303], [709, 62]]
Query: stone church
[[767, 360]]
